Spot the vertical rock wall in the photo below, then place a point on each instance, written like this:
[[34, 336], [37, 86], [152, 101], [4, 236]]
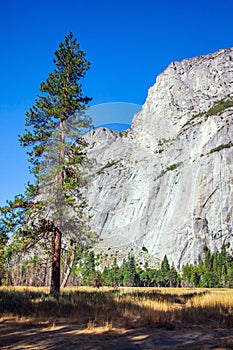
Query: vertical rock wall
[[167, 183]]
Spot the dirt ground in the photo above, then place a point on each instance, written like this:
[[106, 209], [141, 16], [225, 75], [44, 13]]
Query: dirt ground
[[23, 335]]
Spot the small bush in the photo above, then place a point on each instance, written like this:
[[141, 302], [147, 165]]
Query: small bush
[[219, 107], [170, 168], [108, 165], [219, 148], [216, 109]]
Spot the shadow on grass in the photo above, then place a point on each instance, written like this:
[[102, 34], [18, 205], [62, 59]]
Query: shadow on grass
[[69, 337], [64, 324], [124, 308]]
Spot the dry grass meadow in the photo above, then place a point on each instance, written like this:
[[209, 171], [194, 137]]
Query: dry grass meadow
[[127, 318]]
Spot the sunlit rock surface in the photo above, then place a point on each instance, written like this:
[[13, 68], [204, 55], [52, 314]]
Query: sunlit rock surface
[[167, 183]]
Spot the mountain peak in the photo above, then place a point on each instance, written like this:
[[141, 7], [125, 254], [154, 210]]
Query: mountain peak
[[166, 183]]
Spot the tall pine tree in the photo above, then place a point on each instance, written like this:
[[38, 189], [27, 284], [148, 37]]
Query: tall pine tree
[[54, 204]]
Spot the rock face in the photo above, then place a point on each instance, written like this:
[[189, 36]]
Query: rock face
[[167, 183]]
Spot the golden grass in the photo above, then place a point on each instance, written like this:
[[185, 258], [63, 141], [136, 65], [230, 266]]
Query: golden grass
[[90, 308]]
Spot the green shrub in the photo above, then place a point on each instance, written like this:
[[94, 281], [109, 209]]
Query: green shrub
[[219, 107], [169, 168], [219, 148], [108, 165], [216, 109]]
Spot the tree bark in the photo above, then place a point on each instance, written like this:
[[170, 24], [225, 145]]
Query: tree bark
[[59, 206], [68, 271], [56, 261]]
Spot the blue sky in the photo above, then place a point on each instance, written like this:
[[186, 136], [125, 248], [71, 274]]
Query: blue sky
[[128, 43]]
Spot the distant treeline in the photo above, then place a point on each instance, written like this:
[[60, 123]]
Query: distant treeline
[[215, 270]]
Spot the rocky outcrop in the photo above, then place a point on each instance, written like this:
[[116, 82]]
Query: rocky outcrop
[[167, 183]]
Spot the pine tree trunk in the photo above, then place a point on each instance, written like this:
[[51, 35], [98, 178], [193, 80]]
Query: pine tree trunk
[[55, 276], [44, 280], [68, 271], [56, 262]]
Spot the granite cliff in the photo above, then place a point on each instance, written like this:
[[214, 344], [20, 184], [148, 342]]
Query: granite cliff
[[167, 183]]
